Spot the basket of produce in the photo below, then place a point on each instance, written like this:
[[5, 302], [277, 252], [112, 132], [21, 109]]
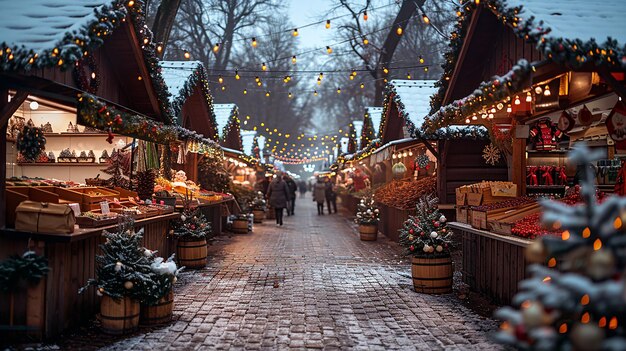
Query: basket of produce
[[97, 181], [93, 219]]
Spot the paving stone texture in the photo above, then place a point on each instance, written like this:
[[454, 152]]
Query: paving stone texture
[[311, 284]]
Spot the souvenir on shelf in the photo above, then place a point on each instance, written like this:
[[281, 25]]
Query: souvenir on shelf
[[51, 157], [47, 128], [104, 157], [544, 135], [16, 124], [91, 130], [66, 156], [83, 158]]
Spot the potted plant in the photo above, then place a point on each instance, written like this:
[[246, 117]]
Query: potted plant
[[192, 231], [258, 207], [157, 303], [367, 217], [122, 277], [240, 223], [427, 239]]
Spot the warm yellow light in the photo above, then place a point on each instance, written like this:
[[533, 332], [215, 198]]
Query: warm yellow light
[[290, 95], [408, 75], [327, 24], [425, 69], [586, 232], [597, 245], [362, 85], [245, 92], [295, 32], [365, 41], [399, 30], [314, 94], [187, 55], [131, 3], [220, 79], [223, 87], [529, 97], [264, 67], [425, 19], [338, 90], [517, 100], [293, 59], [546, 91], [159, 48], [237, 75], [216, 48], [365, 15], [267, 93], [329, 50], [259, 83], [509, 109], [421, 59], [385, 70]]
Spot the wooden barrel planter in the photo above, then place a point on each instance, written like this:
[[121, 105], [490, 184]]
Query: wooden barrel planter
[[240, 226], [432, 275], [258, 216], [368, 232], [191, 253], [119, 316], [160, 313]]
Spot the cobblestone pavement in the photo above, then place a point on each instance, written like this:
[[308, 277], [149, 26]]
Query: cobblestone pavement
[[310, 284]]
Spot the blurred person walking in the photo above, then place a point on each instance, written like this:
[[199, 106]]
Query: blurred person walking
[[278, 195], [319, 195]]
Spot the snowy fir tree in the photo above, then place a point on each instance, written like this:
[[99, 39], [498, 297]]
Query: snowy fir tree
[[124, 266], [367, 212], [352, 140], [575, 298], [192, 226], [426, 234], [368, 134], [163, 277]]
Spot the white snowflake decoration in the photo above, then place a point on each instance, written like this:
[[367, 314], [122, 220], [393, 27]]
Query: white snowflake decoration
[[491, 154]]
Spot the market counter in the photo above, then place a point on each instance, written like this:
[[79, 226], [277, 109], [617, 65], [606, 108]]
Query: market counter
[[216, 211], [53, 305], [493, 264]]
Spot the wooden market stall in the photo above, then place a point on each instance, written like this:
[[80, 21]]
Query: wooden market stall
[[538, 92], [96, 86]]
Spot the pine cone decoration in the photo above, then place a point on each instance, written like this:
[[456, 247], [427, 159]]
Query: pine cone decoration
[[145, 183]]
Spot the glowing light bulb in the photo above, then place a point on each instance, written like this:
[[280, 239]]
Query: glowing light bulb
[[319, 81], [508, 109], [362, 85], [293, 59], [254, 43], [264, 67], [314, 94], [467, 120], [385, 70], [421, 59], [259, 83], [529, 97], [329, 50], [517, 100], [425, 19], [220, 79], [338, 90], [327, 24], [159, 48], [245, 92], [187, 55], [408, 75], [365, 41], [223, 87], [546, 91], [216, 48], [290, 95], [538, 90], [267, 93], [474, 117], [237, 75], [34, 105], [399, 30], [365, 15], [257, 79], [295, 32]]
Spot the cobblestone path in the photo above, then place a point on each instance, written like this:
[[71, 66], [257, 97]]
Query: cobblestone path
[[309, 284]]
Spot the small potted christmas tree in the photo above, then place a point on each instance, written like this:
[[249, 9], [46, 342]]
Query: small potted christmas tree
[[157, 303], [426, 238], [258, 207], [367, 217], [192, 231], [575, 297], [123, 277]]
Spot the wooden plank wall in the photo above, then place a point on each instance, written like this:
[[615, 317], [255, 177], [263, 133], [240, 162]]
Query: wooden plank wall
[[391, 220], [462, 163], [492, 267]]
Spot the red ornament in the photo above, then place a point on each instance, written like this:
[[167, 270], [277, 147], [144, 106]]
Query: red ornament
[[411, 231], [102, 109], [118, 119], [436, 224], [110, 136], [584, 116], [412, 248]]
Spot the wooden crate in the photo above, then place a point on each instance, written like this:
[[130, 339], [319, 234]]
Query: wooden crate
[[490, 195], [461, 197], [89, 198], [504, 224], [462, 214]]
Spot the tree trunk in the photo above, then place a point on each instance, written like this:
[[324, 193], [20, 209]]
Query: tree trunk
[[163, 22], [407, 10]]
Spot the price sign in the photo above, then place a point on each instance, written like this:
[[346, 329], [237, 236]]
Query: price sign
[[104, 207]]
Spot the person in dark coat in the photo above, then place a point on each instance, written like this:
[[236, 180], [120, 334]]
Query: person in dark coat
[[293, 187], [319, 195], [302, 186], [278, 195], [331, 196]]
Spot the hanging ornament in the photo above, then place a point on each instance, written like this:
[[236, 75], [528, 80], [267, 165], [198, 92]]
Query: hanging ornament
[[398, 170], [422, 161], [584, 116], [491, 154], [128, 285], [566, 122], [587, 336]]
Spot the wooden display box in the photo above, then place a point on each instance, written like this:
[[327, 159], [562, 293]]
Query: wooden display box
[[491, 194], [462, 214], [461, 197], [505, 223], [481, 218], [16, 194], [88, 222], [89, 198]]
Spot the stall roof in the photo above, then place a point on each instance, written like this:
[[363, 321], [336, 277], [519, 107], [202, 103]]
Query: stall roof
[[41, 25], [223, 114], [376, 114], [576, 19], [247, 139], [178, 76], [415, 96]]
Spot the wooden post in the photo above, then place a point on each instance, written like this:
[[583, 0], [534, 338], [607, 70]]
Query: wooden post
[[4, 104], [517, 167]]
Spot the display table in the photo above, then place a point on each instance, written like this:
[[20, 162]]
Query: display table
[[215, 212], [54, 305], [493, 264]]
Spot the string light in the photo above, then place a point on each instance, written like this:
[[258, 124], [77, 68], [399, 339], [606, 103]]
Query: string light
[[254, 43], [365, 41], [408, 75], [425, 19], [362, 85], [546, 91], [399, 30], [187, 55], [338, 90], [216, 47], [159, 48], [237, 75], [220, 79], [295, 32], [385, 70], [425, 69], [329, 50], [267, 93], [245, 92], [421, 59], [517, 100], [223, 88], [529, 97], [327, 24], [290, 95], [314, 94], [293, 59], [264, 67], [365, 15]]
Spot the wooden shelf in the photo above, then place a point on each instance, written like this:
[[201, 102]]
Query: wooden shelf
[[61, 164], [548, 152], [60, 135]]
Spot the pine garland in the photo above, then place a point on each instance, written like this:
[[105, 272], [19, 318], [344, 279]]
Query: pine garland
[[30, 267]]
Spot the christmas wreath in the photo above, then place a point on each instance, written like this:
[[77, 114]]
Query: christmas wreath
[[31, 142], [421, 161]]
